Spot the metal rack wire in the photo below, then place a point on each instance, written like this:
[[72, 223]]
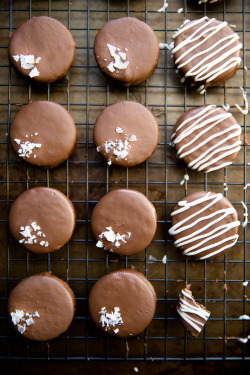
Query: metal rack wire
[[85, 178]]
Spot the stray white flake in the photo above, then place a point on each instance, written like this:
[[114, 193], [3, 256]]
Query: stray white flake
[[185, 178], [245, 110], [166, 45], [34, 72], [119, 130], [165, 5], [245, 283], [21, 328], [245, 215], [112, 319], [164, 259], [30, 233], [37, 60], [244, 317], [119, 58], [29, 322], [16, 58], [115, 238], [180, 10], [151, 259], [245, 340], [136, 369], [133, 138], [17, 141]]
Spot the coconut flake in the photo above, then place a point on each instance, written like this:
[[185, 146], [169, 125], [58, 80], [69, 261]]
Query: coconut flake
[[244, 317], [119, 130], [34, 72], [119, 58], [115, 238], [112, 319]]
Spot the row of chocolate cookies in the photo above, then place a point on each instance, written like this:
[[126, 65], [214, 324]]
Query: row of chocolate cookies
[[204, 224], [44, 134], [42, 219]]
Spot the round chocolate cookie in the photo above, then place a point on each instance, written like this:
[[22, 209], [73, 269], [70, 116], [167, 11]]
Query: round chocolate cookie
[[42, 219], [122, 53], [126, 133], [41, 307], [42, 48], [206, 52], [43, 133], [207, 138], [124, 221], [122, 303], [204, 225]]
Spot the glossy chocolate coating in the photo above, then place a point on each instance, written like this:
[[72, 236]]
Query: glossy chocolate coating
[[137, 40], [134, 119], [51, 297], [47, 38], [126, 211], [48, 124], [206, 227], [132, 293], [205, 51], [51, 210], [192, 314], [209, 131]]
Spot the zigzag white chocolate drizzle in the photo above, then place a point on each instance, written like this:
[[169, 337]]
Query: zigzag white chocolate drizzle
[[214, 217], [192, 312], [204, 121], [206, 70]]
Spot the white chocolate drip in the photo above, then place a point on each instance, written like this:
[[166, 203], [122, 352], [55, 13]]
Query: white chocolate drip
[[202, 235], [217, 58], [187, 311], [205, 120]]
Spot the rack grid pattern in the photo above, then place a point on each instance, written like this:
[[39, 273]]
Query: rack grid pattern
[[85, 178]]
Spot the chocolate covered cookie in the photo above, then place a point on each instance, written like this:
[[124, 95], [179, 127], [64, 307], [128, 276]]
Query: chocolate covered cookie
[[207, 138], [204, 225], [122, 303], [124, 221], [41, 307], [193, 315], [126, 133], [206, 52], [42, 219], [42, 48], [43, 133], [126, 50]]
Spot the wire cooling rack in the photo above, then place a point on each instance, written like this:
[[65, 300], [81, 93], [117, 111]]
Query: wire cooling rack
[[85, 178]]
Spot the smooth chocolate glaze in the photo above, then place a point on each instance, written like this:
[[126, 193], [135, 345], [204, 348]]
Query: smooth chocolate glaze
[[130, 292], [126, 133], [133, 38], [47, 125], [130, 214], [47, 38], [51, 298], [45, 216]]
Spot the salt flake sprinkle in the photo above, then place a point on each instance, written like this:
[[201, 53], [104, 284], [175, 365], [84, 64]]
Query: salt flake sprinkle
[[109, 320], [28, 62], [23, 319], [31, 233], [119, 148], [27, 147], [115, 238], [120, 58]]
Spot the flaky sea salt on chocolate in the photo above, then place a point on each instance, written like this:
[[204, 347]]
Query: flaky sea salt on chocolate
[[112, 319], [119, 58], [115, 238]]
